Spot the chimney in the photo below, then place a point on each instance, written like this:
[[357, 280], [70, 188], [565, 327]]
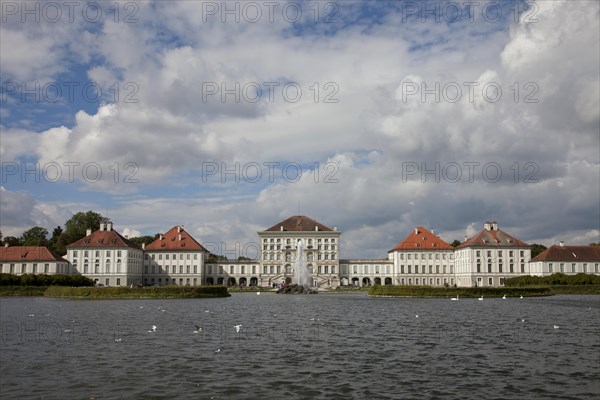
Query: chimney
[[161, 236], [494, 226], [179, 229], [5, 244], [487, 226], [335, 228], [465, 239], [281, 228], [143, 246], [179, 237], [316, 227], [432, 231], [416, 231], [102, 226], [88, 232], [561, 243], [109, 226]]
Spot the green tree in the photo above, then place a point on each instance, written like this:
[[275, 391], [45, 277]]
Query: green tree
[[455, 243], [36, 236], [12, 241], [147, 239], [77, 225], [537, 249], [55, 243]]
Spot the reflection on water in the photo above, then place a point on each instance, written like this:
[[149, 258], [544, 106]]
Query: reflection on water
[[301, 347]]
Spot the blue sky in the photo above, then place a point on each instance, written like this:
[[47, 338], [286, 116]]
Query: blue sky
[[374, 117]]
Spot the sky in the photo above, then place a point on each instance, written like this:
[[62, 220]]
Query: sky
[[374, 117]]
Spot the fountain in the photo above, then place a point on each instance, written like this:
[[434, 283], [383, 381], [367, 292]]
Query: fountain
[[303, 279]]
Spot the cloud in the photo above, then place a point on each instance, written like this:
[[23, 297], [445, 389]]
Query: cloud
[[546, 150]]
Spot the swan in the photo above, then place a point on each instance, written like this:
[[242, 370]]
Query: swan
[[454, 298], [481, 298], [504, 297]]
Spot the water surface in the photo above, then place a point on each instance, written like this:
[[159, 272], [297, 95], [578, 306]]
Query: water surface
[[330, 346]]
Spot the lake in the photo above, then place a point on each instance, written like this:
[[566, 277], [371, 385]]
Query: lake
[[325, 346]]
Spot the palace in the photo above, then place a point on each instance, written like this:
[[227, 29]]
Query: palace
[[422, 258]]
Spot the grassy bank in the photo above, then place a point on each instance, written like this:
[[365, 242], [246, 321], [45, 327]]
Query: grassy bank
[[6, 291], [430, 291], [237, 289], [162, 292]]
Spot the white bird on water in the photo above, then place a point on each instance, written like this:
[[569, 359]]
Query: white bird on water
[[504, 297], [521, 297], [258, 293], [556, 326], [480, 298], [417, 316], [153, 329], [454, 298], [198, 329], [237, 327], [118, 340], [217, 350]]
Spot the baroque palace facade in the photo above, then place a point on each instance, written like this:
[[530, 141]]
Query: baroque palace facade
[[422, 258]]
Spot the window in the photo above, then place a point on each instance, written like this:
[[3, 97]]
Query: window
[[160, 257], [499, 253], [416, 269], [562, 267], [253, 269], [550, 267], [118, 253], [522, 253], [573, 267], [489, 267], [195, 269], [231, 269], [264, 269], [402, 269], [355, 269], [478, 253], [584, 268], [512, 269], [47, 267], [85, 253], [522, 268], [409, 256], [97, 253], [34, 270], [489, 253], [271, 269], [174, 269], [500, 267], [333, 269], [409, 268], [431, 268], [501, 281], [195, 256], [327, 269], [187, 269], [491, 281], [278, 269], [243, 269]]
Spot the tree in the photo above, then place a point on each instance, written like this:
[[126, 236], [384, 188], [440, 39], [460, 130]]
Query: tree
[[537, 249], [147, 239], [77, 225], [55, 243], [242, 258], [591, 244], [455, 243], [12, 241], [36, 236]]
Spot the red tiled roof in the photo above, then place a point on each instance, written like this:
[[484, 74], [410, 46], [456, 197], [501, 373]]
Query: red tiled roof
[[422, 239], [170, 241], [28, 253], [492, 237], [104, 238], [299, 223], [569, 253]]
